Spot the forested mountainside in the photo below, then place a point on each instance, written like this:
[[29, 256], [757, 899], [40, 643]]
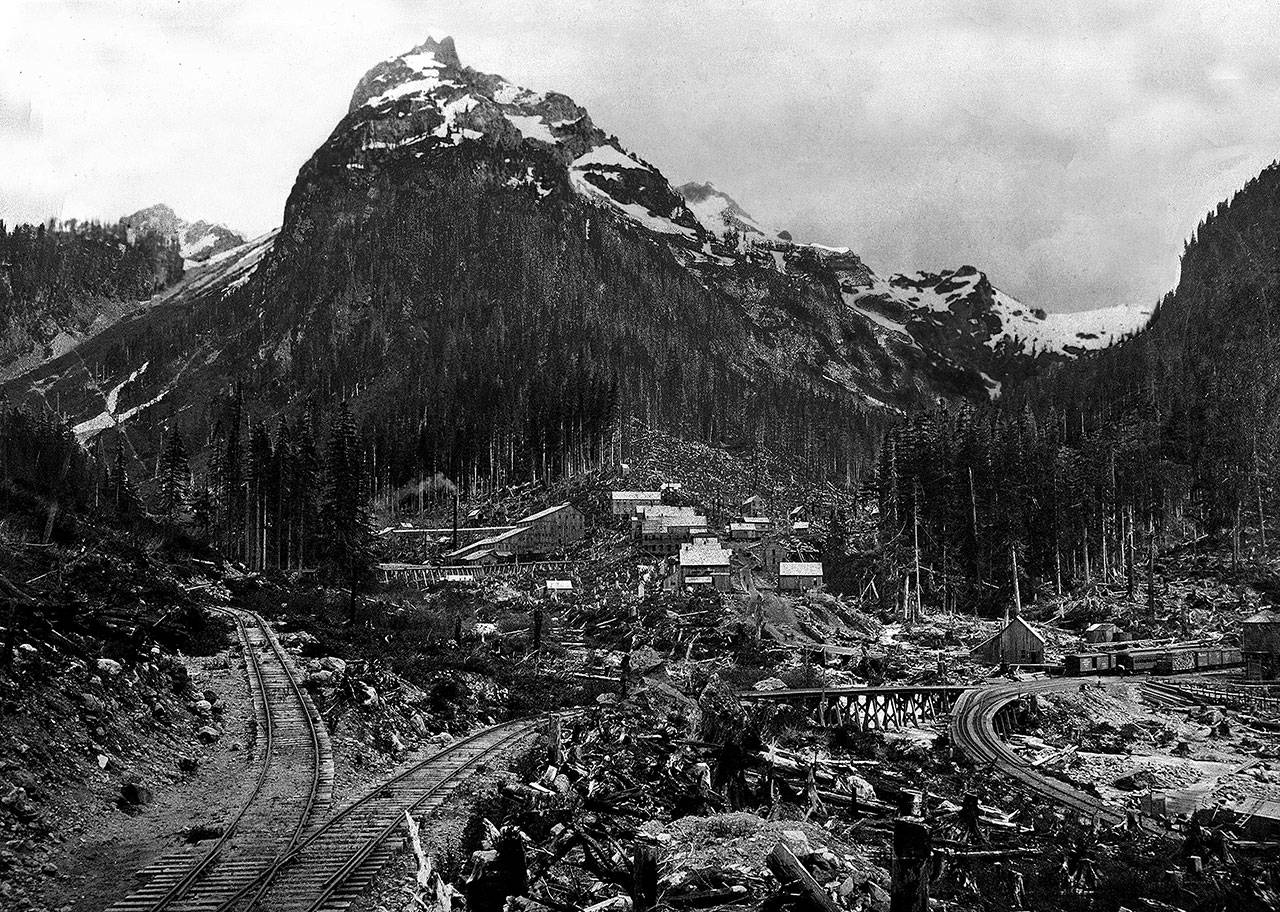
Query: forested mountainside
[[57, 279], [1101, 463], [490, 279]]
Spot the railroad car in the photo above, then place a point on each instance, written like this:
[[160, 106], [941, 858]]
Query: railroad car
[[1139, 661], [1154, 660], [1089, 663]]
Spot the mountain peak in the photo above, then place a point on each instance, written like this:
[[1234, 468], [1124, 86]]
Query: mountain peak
[[444, 51], [718, 212], [198, 241]]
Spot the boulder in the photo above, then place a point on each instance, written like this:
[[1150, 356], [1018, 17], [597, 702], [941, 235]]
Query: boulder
[[797, 842], [208, 734], [334, 664], [320, 678], [770, 684], [91, 703], [109, 667], [203, 708]]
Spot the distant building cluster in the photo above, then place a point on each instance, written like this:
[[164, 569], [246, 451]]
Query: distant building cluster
[[549, 531], [705, 552]]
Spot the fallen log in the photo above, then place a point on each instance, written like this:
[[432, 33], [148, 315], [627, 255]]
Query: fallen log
[[788, 869]]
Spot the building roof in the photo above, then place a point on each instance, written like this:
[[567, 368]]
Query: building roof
[[542, 514], [800, 568], [1013, 622], [1100, 625], [652, 511], [473, 556], [490, 542], [1266, 616], [703, 555], [757, 520], [1255, 807], [459, 578], [662, 523], [560, 585], [636, 495], [695, 580], [801, 524]]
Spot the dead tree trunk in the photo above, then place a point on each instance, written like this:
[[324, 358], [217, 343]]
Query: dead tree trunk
[[912, 846]]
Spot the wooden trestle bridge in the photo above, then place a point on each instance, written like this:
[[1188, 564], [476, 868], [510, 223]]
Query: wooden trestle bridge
[[866, 708]]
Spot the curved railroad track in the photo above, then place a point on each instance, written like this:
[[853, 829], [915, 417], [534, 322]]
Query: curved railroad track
[[294, 780], [973, 730]]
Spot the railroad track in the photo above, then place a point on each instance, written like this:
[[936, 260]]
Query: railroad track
[[275, 854], [973, 730], [336, 861], [294, 780]]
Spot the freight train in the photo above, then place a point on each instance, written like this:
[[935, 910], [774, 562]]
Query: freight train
[[1153, 660]]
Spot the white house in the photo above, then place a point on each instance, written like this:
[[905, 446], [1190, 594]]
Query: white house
[[799, 576]]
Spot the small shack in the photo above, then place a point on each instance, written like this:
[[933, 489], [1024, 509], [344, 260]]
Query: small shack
[[1103, 632], [1260, 645], [799, 576], [1017, 643]]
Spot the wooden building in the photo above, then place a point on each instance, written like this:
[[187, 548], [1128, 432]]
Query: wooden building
[[626, 503], [1104, 632], [799, 576], [704, 564], [1017, 643], [552, 530], [661, 530], [1260, 646]]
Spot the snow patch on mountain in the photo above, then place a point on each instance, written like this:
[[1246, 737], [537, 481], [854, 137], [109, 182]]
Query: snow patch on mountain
[[109, 416], [1064, 332]]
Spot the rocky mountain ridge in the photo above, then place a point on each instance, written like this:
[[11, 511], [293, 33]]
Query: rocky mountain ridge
[[462, 251], [198, 241]]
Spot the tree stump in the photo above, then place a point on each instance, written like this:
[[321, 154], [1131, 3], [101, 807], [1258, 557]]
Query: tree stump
[[912, 846]]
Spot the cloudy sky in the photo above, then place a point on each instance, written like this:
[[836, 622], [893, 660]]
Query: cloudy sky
[[1066, 148]]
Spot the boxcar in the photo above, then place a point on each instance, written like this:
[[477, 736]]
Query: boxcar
[[1088, 663]]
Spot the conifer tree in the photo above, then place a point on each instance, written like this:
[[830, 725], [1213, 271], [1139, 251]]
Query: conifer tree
[[347, 536], [175, 476]]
